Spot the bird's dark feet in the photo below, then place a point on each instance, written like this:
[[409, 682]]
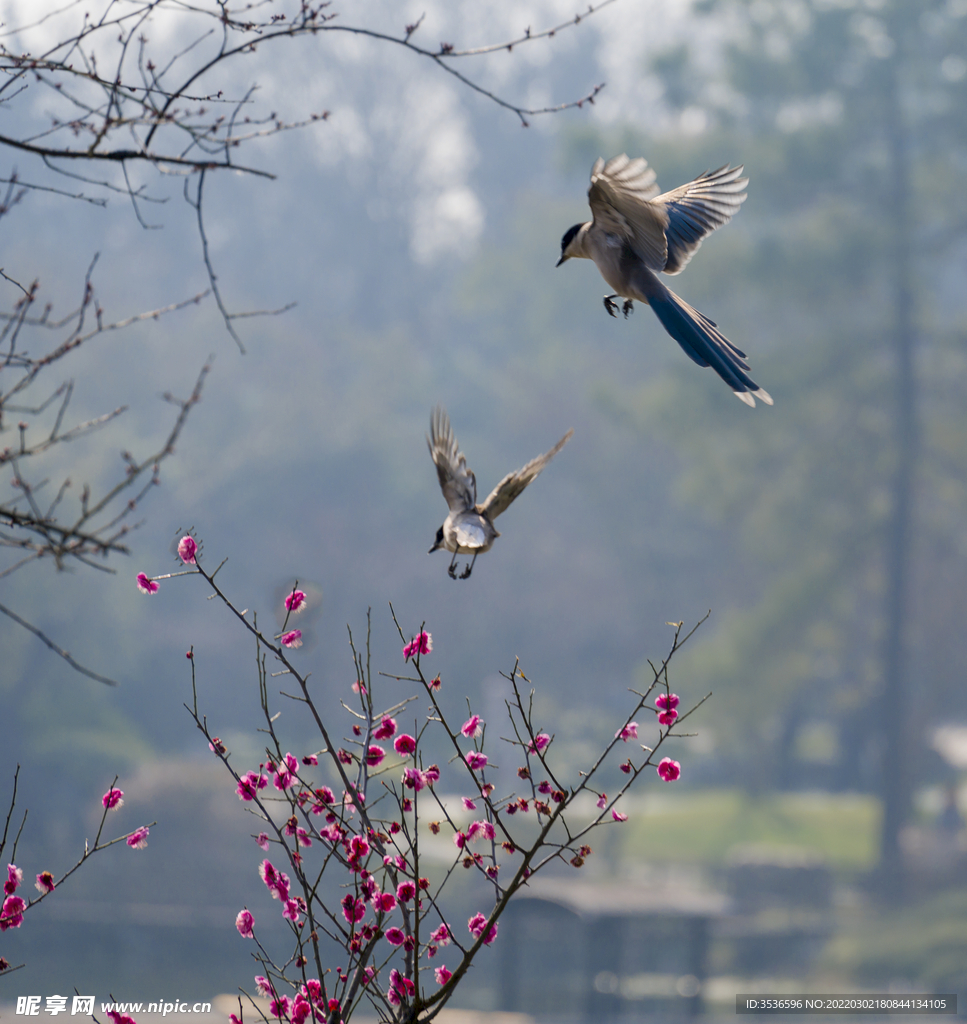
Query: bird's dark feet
[[465, 575], [628, 308], [610, 306], [452, 571]]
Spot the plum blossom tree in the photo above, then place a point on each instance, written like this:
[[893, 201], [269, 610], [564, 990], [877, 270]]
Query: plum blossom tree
[[354, 812]]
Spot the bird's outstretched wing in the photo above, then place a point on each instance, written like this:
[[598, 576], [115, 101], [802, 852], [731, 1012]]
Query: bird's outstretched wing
[[620, 198], [458, 483], [696, 209], [513, 483]]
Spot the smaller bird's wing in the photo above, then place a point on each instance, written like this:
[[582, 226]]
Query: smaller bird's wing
[[513, 483], [458, 483], [696, 209], [620, 197]]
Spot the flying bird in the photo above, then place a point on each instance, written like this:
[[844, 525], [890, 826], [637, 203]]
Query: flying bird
[[469, 528], [636, 234]]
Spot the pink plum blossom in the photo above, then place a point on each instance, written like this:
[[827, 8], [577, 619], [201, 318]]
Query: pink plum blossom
[[442, 974], [353, 909], [603, 801], [12, 913], [476, 760], [668, 769], [460, 840], [468, 804], [262, 840], [249, 785], [146, 585], [477, 924], [279, 1007], [395, 936], [113, 798], [471, 727], [245, 923], [414, 779], [15, 876], [385, 730], [628, 732], [667, 701], [374, 755], [442, 935], [538, 743], [618, 816], [291, 911], [480, 829], [667, 717], [138, 839], [405, 891], [422, 643], [263, 986], [45, 882], [187, 549], [432, 774], [384, 903], [292, 639], [285, 774], [295, 602], [404, 744]]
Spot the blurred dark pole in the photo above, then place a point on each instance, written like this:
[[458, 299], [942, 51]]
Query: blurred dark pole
[[898, 535]]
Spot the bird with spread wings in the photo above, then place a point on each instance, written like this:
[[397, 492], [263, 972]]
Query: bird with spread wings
[[635, 234], [469, 528]]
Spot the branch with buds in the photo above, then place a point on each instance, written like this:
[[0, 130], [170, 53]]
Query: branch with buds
[[361, 809]]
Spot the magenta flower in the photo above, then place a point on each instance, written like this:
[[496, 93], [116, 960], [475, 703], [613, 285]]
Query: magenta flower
[[618, 816], [249, 785], [404, 744], [292, 639], [359, 847], [45, 882], [263, 986], [460, 840], [477, 924], [279, 1007], [138, 839], [187, 549], [538, 743], [476, 760], [442, 935], [262, 840], [480, 829], [245, 924], [291, 911], [405, 891], [471, 727], [15, 876], [668, 769], [544, 787], [285, 774], [353, 909], [295, 602], [384, 903], [395, 936], [277, 882], [667, 701], [629, 732], [414, 779], [146, 585], [667, 717], [432, 774], [422, 643], [468, 804], [12, 913], [385, 730], [374, 755], [442, 975], [603, 801]]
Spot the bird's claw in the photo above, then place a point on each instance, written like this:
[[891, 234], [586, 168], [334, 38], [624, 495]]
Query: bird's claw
[[465, 575], [627, 308], [452, 572], [611, 307]]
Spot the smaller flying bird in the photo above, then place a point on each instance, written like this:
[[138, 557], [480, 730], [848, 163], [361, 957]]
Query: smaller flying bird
[[635, 234], [469, 527]]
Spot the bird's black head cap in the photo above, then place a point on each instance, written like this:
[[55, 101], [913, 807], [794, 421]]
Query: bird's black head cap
[[566, 241]]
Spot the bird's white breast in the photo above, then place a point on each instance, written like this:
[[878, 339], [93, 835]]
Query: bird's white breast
[[470, 535]]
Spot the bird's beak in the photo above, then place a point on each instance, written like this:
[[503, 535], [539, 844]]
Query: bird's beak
[[561, 260], [436, 547]]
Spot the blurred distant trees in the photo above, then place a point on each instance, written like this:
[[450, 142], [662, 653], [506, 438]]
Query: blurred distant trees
[[843, 279]]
